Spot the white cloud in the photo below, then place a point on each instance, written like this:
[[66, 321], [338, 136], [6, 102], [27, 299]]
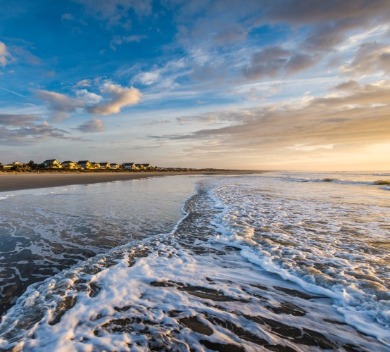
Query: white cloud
[[148, 78], [88, 98], [119, 97], [4, 54], [112, 98], [84, 83], [357, 39], [163, 78]]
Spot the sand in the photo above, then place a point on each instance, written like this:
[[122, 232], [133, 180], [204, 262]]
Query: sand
[[18, 181]]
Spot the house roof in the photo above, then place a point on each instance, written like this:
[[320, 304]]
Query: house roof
[[50, 161], [83, 162]]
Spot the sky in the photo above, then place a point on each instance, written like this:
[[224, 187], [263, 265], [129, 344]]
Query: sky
[[244, 84]]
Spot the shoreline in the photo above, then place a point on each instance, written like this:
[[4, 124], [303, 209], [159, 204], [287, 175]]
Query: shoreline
[[22, 181]]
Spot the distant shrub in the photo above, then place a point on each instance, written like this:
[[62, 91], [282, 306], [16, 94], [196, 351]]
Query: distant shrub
[[328, 179], [382, 183]]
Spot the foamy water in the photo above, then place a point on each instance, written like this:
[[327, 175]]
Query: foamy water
[[281, 262]]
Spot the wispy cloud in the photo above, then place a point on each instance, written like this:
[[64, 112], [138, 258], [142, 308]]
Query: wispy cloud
[[18, 120], [92, 126], [27, 129], [371, 58], [272, 61], [118, 40], [115, 12]]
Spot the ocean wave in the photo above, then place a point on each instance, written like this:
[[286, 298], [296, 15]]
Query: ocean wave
[[340, 181], [296, 240]]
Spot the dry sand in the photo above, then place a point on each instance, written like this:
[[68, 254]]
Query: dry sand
[[18, 181]]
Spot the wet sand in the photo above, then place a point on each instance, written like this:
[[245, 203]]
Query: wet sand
[[19, 181]]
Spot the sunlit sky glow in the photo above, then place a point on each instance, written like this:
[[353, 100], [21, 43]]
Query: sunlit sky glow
[[252, 84]]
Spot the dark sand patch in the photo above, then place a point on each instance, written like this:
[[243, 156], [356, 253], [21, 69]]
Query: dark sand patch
[[18, 181], [195, 325]]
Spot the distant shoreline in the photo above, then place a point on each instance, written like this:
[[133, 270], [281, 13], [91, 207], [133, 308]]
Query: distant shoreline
[[14, 181]]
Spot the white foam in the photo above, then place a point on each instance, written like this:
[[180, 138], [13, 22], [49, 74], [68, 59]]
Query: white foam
[[280, 242], [123, 286]]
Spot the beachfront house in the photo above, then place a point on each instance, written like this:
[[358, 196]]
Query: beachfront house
[[85, 164], [70, 165], [129, 166], [104, 165], [95, 165], [114, 166], [52, 164], [143, 166]]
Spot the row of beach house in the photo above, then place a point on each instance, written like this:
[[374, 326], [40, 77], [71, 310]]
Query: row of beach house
[[91, 165], [80, 165]]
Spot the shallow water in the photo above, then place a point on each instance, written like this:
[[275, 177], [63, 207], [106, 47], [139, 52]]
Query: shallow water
[[43, 231], [281, 262]]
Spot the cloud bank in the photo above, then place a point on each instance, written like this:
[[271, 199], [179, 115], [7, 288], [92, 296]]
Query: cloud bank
[[352, 117]]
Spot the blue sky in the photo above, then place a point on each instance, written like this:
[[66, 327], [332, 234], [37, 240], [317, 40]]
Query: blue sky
[[238, 84]]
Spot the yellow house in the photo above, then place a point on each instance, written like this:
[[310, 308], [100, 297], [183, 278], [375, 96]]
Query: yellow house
[[114, 166], [70, 165], [52, 164], [104, 165], [85, 164]]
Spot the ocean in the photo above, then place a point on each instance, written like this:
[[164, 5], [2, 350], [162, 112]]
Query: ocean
[[279, 261]]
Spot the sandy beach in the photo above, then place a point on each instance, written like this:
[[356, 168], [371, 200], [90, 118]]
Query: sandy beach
[[19, 181]]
